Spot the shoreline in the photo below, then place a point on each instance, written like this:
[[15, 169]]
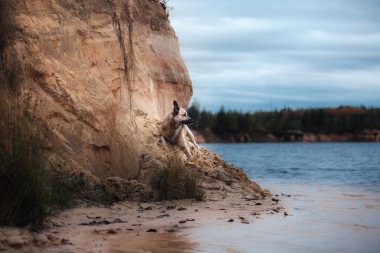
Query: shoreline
[[207, 136], [134, 226], [279, 142]]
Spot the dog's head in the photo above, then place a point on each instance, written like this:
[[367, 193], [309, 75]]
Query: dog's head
[[180, 115]]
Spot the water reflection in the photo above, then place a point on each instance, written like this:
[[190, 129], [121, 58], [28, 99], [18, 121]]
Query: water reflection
[[154, 243]]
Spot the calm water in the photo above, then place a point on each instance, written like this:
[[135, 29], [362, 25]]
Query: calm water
[[335, 203], [329, 164]]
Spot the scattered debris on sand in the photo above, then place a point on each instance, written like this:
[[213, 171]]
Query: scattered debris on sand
[[120, 224]]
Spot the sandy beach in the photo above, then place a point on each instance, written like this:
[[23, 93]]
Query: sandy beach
[[138, 227]]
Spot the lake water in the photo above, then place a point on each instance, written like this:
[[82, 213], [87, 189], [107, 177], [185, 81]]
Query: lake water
[[335, 203], [330, 164]]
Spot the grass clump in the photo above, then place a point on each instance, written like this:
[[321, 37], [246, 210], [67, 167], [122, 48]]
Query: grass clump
[[30, 191], [24, 178], [176, 181], [64, 190], [107, 196], [165, 7]]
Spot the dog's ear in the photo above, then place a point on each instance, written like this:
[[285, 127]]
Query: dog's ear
[[176, 108]]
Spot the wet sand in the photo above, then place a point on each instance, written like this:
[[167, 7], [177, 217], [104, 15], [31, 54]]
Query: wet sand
[[143, 227]]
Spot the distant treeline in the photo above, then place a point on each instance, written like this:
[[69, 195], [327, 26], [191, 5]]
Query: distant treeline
[[340, 120]]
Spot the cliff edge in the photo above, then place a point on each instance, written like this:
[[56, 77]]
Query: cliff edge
[[89, 67]]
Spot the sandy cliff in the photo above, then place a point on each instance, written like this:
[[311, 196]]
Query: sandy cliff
[[90, 69]]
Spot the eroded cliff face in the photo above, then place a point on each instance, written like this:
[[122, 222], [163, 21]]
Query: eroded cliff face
[[91, 69]]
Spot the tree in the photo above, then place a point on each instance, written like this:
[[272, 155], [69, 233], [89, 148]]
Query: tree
[[205, 120], [194, 113], [244, 122], [225, 121]]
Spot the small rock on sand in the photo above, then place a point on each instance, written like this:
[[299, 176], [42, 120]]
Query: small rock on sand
[[169, 207], [152, 230], [243, 220], [118, 221], [230, 220], [112, 232], [41, 239], [65, 241], [2, 247], [53, 239], [251, 198], [162, 216], [15, 241]]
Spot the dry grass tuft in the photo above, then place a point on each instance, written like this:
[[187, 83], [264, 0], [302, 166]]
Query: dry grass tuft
[[176, 181], [25, 192]]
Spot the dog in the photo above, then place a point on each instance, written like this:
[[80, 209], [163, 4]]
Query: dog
[[174, 129]]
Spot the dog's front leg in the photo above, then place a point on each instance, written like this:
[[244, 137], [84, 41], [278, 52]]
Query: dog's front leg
[[191, 136], [183, 144], [176, 133]]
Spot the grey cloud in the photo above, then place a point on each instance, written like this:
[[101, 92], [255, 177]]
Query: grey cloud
[[298, 53]]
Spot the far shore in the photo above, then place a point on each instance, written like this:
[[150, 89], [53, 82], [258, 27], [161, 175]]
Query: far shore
[[298, 137]]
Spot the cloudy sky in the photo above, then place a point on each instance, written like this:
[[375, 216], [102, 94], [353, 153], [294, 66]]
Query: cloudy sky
[[256, 55]]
